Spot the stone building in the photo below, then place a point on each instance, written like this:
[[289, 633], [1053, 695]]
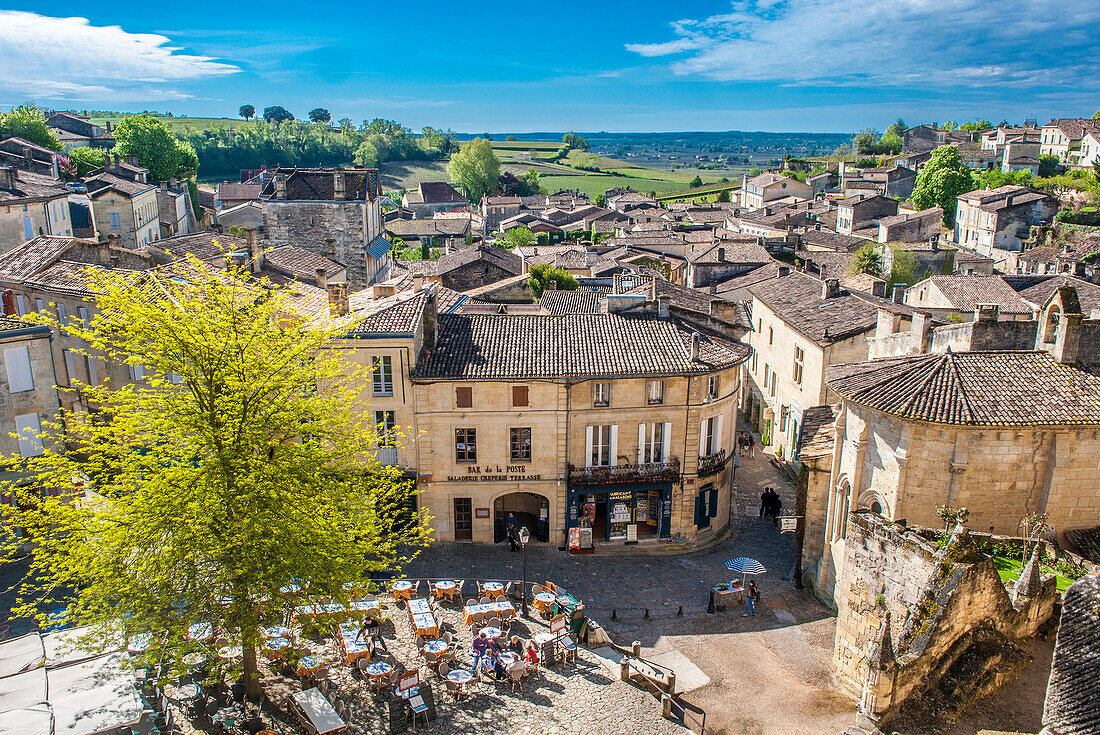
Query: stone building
[[1001, 432], [77, 131], [177, 216], [995, 222], [470, 268], [958, 297], [124, 204], [430, 197], [22, 154], [859, 214], [620, 425], [910, 226], [801, 326], [915, 620], [31, 205], [332, 212], [29, 398]]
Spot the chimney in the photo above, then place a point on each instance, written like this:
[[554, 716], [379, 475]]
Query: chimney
[[783, 270], [164, 186], [7, 177], [830, 287], [723, 311], [322, 278], [1067, 339], [986, 312], [921, 334], [652, 296], [114, 156], [695, 347], [103, 250], [255, 251], [110, 126], [418, 283], [721, 255], [28, 156], [337, 299], [280, 186], [431, 321], [338, 192], [662, 306], [897, 293], [878, 288]]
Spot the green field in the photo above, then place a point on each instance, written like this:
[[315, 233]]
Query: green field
[[181, 123], [398, 175]]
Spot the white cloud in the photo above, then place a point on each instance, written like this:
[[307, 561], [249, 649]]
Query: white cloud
[[69, 58], [895, 43]]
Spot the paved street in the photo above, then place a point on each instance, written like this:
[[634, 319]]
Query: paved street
[[767, 674]]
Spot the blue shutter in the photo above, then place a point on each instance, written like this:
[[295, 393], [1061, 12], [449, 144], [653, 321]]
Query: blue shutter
[[699, 514], [713, 501]]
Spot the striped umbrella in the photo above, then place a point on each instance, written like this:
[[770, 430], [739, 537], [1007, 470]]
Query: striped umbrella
[[745, 565]]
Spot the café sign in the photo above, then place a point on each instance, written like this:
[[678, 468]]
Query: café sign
[[494, 473]]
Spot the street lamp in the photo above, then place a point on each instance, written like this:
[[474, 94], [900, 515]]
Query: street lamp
[[524, 537]]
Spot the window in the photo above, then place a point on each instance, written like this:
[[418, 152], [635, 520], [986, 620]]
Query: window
[[464, 396], [39, 305], [93, 371], [706, 506], [799, 357], [771, 334], [600, 445], [520, 396], [654, 441], [754, 361], [137, 372], [714, 382], [20, 304], [28, 228], [116, 221], [655, 391], [520, 445], [767, 372], [601, 394], [773, 384], [62, 315], [466, 446], [17, 360], [386, 425], [82, 312], [382, 375], [28, 427], [710, 436]]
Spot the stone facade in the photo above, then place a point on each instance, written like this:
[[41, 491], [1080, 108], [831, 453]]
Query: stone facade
[[28, 397], [1072, 704], [340, 231], [912, 617], [133, 219]]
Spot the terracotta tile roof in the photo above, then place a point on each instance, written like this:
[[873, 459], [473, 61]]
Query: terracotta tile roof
[[1074, 128], [796, 299], [299, 262], [575, 345], [831, 240], [966, 292], [439, 191], [817, 435], [1088, 294], [203, 245], [229, 191], [101, 183], [570, 302], [10, 325], [504, 259], [973, 388], [765, 272], [401, 318], [23, 261], [32, 186], [416, 228], [66, 276]]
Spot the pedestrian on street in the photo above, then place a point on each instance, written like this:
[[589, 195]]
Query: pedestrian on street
[[481, 645], [765, 500], [512, 523], [752, 447], [777, 507], [513, 539], [750, 600]]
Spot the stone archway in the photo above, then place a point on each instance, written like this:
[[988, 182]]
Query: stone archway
[[531, 510]]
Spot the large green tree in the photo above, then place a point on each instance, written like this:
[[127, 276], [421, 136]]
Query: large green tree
[[476, 168], [29, 123], [87, 159], [868, 259], [149, 139], [239, 466], [247, 111], [575, 141], [277, 114], [517, 237], [941, 181], [320, 115], [540, 276]]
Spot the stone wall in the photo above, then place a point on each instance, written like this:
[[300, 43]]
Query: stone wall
[[984, 335], [337, 230], [474, 275], [913, 618]]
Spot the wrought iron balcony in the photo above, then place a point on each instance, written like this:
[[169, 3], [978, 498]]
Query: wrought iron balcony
[[387, 456], [712, 464], [649, 472]]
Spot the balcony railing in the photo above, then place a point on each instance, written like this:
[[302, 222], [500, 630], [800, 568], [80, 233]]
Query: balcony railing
[[387, 456], [649, 472], [712, 464]]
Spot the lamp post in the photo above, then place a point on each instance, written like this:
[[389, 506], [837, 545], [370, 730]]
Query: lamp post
[[524, 537]]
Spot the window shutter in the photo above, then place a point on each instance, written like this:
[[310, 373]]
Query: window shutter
[[519, 395], [18, 362], [713, 502], [718, 435], [29, 427], [641, 443], [698, 510], [666, 442], [703, 438], [70, 366], [464, 397], [613, 455], [588, 446], [93, 371]]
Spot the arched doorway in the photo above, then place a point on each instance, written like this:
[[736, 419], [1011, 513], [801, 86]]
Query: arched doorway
[[530, 509]]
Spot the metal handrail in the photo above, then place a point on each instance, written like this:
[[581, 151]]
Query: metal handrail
[[712, 463], [651, 471]]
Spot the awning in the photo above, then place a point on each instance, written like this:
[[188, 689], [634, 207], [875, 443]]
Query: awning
[[318, 711], [73, 645], [21, 691], [35, 720], [94, 696], [379, 248], [25, 653]]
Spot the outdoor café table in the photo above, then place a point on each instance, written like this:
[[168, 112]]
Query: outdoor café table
[[491, 632], [353, 646], [425, 625], [444, 588], [229, 716], [308, 665], [138, 643], [419, 606], [544, 600], [187, 692], [402, 589], [504, 609], [276, 631], [193, 660], [462, 677], [437, 646], [316, 715], [508, 658], [365, 606], [200, 631], [493, 588], [230, 653], [290, 589], [275, 646]]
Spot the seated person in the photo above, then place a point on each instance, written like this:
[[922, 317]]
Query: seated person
[[532, 656], [516, 646]]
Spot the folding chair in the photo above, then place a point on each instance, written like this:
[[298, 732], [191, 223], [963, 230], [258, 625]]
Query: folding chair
[[418, 707], [568, 648]]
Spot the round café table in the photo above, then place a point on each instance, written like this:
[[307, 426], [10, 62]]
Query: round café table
[[277, 631], [541, 639], [194, 660], [308, 665], [436, 646], [187, 692], [491, 632], [200, 631], [493, 588], [508, 658], [444, 588], [401, 589], [460, 677], [138, 643]]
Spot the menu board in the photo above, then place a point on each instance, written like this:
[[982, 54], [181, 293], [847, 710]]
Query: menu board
[[632, 532]]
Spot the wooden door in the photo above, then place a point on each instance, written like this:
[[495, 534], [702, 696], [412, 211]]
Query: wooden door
[[464, 520]]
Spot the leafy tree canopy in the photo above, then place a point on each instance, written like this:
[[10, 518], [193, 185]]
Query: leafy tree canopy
[[941, 181], [540, 277], [203, 491], [1048, 165], [247, 112], [277, 114], [575, 141], [156, 149], [29, 123], [868, 259], [475, 167], [695, 183], [898, 128], [903, 268], [319, 115], [511, 185], [517, 237], [87, 159]]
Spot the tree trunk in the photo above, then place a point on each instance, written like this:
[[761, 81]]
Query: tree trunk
[[250, 664]]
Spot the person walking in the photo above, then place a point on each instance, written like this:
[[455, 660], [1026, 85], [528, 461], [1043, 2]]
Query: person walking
[[513, 539], [481, 646], [750, 600], [752, 447], [765, 500], [777, 507]]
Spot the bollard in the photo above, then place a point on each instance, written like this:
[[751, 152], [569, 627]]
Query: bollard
[[666, 706], [710, 605], [636, 649], [624, 669], [614, 614], [680, 612], [646, 613], [672, 682]]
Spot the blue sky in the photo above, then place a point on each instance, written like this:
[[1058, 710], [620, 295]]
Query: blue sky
[[821, 65]]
